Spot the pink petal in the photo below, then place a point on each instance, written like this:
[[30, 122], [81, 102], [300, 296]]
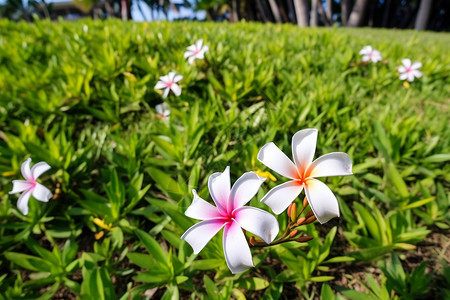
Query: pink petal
[[279, 198], [274, 158], [258, 222], [322, 200], [331, 164], [41, 193], [244, 189], [416, 65], [26, 171], [236, 249], [201, 210], [39, 168], [20, 186], [303, 148], [201, 233], [219, 188], [406, 62], [176, 89], [22, 203]]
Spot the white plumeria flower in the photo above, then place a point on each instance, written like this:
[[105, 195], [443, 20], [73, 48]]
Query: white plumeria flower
[[168, 83], [163, 111], [231, 214], [409, 71], [370, 54], [196, 51], [30, 186], [303, 173]]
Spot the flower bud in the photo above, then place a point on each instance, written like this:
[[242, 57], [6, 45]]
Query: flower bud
[[300, 221], [289, 210], [293, 233], [252, 240], [309, 214], [305, 202], [304, 239], [293, 212], [310, 219]]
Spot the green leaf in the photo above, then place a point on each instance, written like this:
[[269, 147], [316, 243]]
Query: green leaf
[[252, 283], [154, 248]]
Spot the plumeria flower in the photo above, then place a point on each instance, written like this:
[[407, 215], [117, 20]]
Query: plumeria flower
[[30, 186], [409, 71], [370, 54], [163, 111], [196, 51], [230, 214], [168, 83], [303, 173]]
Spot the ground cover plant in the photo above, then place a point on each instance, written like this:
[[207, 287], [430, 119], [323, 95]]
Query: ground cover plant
[[80, 96]]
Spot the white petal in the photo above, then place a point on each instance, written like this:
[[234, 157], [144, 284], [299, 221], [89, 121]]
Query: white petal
[[22, 203], [331, 164], [177, 78], [41, 193], [236, 249], [166, 92], [403, 76], [188, 53], [410, 76], [204, 49], [322, 200], [402, 69], [417, 73], [201, 233], [303, 148], [171, 75], [20, 186], [160, 85], [199, 44], [201, 210], [366, 50], [39, 168], [365, 58], [274, 158], [219, 188], [244, 189], [159, 108], [191, 59], [279, 198], [406, 62], [191, 48], [176, 89], [258, 222], [164, 79], [26, 171], [416, 65]]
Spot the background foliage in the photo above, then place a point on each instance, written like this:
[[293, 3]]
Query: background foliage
[[80, 96]]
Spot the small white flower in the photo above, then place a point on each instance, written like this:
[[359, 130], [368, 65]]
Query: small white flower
[[168, 83], [370, 54], [409, 71], [163, 111], [196, 51], [30, 186]]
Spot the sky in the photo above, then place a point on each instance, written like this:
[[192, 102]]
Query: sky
[[183, 13]]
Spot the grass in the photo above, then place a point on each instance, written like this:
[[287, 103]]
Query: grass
[[79, 95]]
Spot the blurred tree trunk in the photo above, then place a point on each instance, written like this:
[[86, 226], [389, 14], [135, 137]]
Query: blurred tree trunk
[[275, 10], [323, 15], [330, 11], [301, 12], [314, 19], [345, 11], [234, 17], [387, 13], [359, 12], [292, 10], [423, 15], [261, 11]]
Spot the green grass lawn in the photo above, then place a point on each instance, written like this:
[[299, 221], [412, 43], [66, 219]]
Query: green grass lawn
[[80, 96]]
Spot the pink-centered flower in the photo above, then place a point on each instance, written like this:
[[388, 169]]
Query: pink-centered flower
[[303, 173], [196, 51], [370, 54], [409, 71], [169, 82], [30, 186], [162, 111], [230, 214]]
